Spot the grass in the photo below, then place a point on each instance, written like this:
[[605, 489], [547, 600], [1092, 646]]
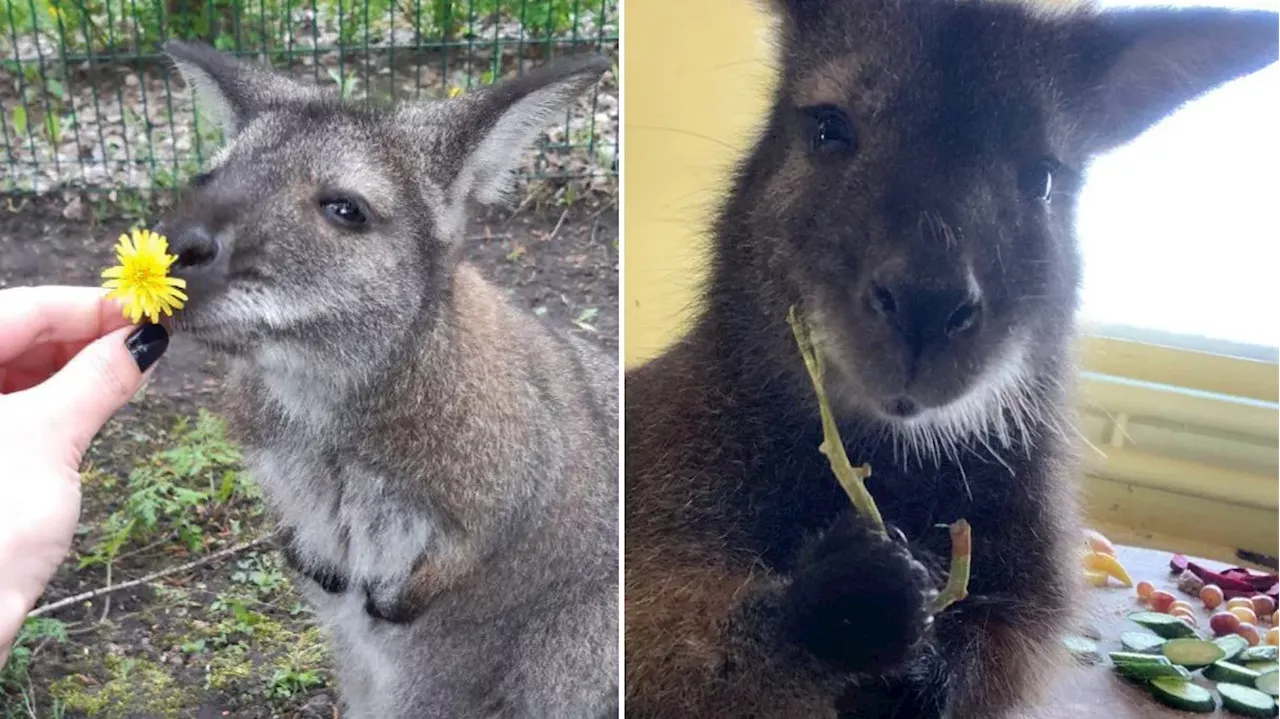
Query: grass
[[160, 491]]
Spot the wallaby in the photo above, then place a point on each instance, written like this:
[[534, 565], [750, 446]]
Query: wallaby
[[912, 193], [443, 467]]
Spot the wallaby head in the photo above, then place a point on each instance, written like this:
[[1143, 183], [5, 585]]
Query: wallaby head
[[914, 190], [319, 215]]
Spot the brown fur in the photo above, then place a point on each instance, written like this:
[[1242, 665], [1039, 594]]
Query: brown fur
[[750, 588]]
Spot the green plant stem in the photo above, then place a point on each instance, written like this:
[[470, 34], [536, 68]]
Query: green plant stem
[[957, 587], [852, 479]]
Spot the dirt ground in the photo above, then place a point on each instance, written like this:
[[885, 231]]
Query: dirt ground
[[163, 487]]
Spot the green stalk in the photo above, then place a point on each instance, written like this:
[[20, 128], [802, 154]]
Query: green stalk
[[853, 479]]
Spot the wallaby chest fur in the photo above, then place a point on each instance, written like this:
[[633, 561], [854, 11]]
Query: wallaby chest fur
[[912, 194], [458, 502]]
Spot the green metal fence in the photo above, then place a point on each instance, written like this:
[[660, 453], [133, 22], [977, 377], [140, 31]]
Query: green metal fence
[[88, 101]]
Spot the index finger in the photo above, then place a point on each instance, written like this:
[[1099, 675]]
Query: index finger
[[31, 316]]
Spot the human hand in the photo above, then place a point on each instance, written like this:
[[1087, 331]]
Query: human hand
[[68, 361]]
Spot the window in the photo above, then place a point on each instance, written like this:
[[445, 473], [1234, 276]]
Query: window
[[1178, 228]]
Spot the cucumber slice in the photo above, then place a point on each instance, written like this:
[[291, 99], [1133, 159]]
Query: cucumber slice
[[1167, 626], [1147, 643], [1192, 653], [1146, 666], [1084, 650], [1232, 644], [1246, 701], [1268, 683], [1260, 653], [1231, 674], [1182, 694], [1260, 667]]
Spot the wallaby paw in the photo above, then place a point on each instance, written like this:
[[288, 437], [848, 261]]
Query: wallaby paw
[[919, 692], [859, 600]]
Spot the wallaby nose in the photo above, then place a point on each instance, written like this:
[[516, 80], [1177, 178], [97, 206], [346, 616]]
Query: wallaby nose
[[194, 244], [922, 313]]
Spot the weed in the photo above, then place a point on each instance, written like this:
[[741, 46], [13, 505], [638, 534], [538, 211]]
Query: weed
[[288, 681], [14, 675], [174, 490]]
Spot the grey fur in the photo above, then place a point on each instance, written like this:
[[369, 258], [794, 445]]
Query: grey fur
[[443, 465]]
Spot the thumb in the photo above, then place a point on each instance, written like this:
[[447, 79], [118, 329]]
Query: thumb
[[99, 380]]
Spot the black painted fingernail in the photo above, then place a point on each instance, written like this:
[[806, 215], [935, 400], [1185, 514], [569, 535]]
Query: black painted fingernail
[[146, 344]]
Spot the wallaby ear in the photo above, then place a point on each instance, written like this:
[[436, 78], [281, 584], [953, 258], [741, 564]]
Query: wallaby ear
[[229, 91], [494, 125], [1141, 65], [798, 14]]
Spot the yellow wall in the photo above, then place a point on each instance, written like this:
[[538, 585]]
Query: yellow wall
[[696, 81]]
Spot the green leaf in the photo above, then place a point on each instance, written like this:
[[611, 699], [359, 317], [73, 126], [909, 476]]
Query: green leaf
[[53, 128], [20, 119]]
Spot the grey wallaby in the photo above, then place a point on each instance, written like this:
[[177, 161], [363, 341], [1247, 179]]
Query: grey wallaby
[[912, 192], [443, 467]]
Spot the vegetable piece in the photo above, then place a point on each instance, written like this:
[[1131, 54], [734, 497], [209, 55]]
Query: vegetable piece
[[1232, 645], [1146, 666], [1163, 624], [1180, 604], [1263, 605], [1192, 653], [1161, 600], [1268, 682], [1246, 701], [1229, 673], [1182, 694], [1098, 543], [1261, 667], [1144, 590], [1246, 614], [1262, 653], [1084, 650], [1245, 602], [1235, 582], [1273, 636], [1096, 579], [1099, 562], [1184, 614], [1224, 623], [1189, 583], [1145, 643], [1211, 596], [1250, 634]]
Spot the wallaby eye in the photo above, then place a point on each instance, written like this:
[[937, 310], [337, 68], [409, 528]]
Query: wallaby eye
[[1035, 180], [345, 212], [830, 132], [202, 179]]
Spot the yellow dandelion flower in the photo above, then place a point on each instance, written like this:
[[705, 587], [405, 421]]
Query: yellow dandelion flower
[[454, 91], [141, 279]]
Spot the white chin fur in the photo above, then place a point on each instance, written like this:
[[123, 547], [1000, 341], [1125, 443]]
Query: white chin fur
[[996, 414]]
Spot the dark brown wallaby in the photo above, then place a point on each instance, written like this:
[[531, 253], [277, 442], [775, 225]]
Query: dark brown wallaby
[[912, 193]]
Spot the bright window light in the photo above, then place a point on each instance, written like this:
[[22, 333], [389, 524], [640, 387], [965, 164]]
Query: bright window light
[[1179, 228]]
